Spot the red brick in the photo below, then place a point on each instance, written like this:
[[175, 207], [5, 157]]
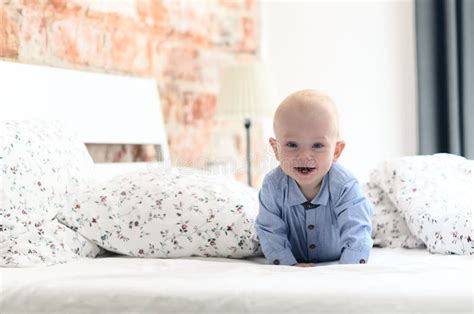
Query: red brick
[[232, 4], [31, 3], [238, 4], [9, 41], [188, 145], [152, 13], [249, 4], [114, 22], [123, 8], [63, 40], [202, 105], [186, 107], [226, 32], [191, 24], [131, 51], [33, 36], [65, 7], [248, 42], [181, 62], [78, 41], [171, 103]]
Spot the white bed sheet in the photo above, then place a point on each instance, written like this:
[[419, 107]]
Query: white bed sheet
[[107, 170], [395, 281]]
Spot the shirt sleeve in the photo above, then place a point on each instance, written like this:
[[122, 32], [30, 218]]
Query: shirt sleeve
[[271, 229], [354, 218]]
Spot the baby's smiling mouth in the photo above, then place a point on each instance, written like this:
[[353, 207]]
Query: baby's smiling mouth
[[304, 170]]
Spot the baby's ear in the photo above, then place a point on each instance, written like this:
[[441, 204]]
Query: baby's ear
[[338, 151], [273, 142]]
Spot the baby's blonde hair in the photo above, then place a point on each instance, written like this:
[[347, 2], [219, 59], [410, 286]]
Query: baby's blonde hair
[[306, 100]]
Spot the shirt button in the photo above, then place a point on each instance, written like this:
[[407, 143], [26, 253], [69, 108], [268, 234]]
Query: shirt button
[[308, 205], [312, 246], [310, 227], [276, 262], [362, 261]]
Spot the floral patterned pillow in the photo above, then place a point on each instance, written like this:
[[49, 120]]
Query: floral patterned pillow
[[424, 199], [434, 195], [47, 244], [168, 213], [41, 165], [389, 228]]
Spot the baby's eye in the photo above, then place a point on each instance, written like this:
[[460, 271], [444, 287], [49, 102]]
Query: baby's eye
[[291, 145], [318, 145]]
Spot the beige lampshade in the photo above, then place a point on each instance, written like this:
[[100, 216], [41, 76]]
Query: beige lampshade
[[246, 92]]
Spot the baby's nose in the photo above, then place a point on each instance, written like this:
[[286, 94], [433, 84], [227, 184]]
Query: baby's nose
[[305, 155]]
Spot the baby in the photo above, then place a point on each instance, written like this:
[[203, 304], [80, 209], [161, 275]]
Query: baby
[[311, 208]]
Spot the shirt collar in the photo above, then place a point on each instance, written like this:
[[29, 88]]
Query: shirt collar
[[296, 197]]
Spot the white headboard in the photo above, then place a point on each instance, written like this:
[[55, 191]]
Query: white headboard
[[102, 108]]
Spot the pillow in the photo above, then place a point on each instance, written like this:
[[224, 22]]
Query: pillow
[[433, 195], [47, 244], [41, 165], [168, 213], [389, 228]]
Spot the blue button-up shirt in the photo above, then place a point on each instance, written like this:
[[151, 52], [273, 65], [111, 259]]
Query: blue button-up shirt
[[335, 225]]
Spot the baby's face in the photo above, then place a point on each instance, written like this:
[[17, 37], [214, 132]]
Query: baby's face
[[306, 145]]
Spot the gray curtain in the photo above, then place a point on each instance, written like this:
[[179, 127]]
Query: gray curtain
[[445, 59]]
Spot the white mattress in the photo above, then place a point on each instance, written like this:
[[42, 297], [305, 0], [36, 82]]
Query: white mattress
[[395, 280]]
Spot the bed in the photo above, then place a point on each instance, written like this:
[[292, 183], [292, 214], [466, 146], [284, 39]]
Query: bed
[[396, 280]]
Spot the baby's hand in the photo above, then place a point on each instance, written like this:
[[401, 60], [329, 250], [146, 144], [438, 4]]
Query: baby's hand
[[305, 265]]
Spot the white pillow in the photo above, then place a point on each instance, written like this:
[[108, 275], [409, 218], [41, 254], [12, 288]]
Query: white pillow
[[389, 228], [433, 194], [168, 213], [41, 165], [47, 244]]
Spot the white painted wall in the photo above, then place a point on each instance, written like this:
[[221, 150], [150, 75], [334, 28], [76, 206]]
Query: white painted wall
[[361, 53]]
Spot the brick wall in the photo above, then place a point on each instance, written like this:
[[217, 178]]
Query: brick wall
[[183, 44]]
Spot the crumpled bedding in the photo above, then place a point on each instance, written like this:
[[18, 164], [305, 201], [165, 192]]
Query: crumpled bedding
[[424, 201], [419, 201], [42, 163]]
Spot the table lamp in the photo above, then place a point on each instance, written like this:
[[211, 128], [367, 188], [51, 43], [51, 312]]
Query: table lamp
[[246, 94]]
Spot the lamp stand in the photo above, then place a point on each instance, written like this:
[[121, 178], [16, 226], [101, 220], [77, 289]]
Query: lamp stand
[[247, 125]]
